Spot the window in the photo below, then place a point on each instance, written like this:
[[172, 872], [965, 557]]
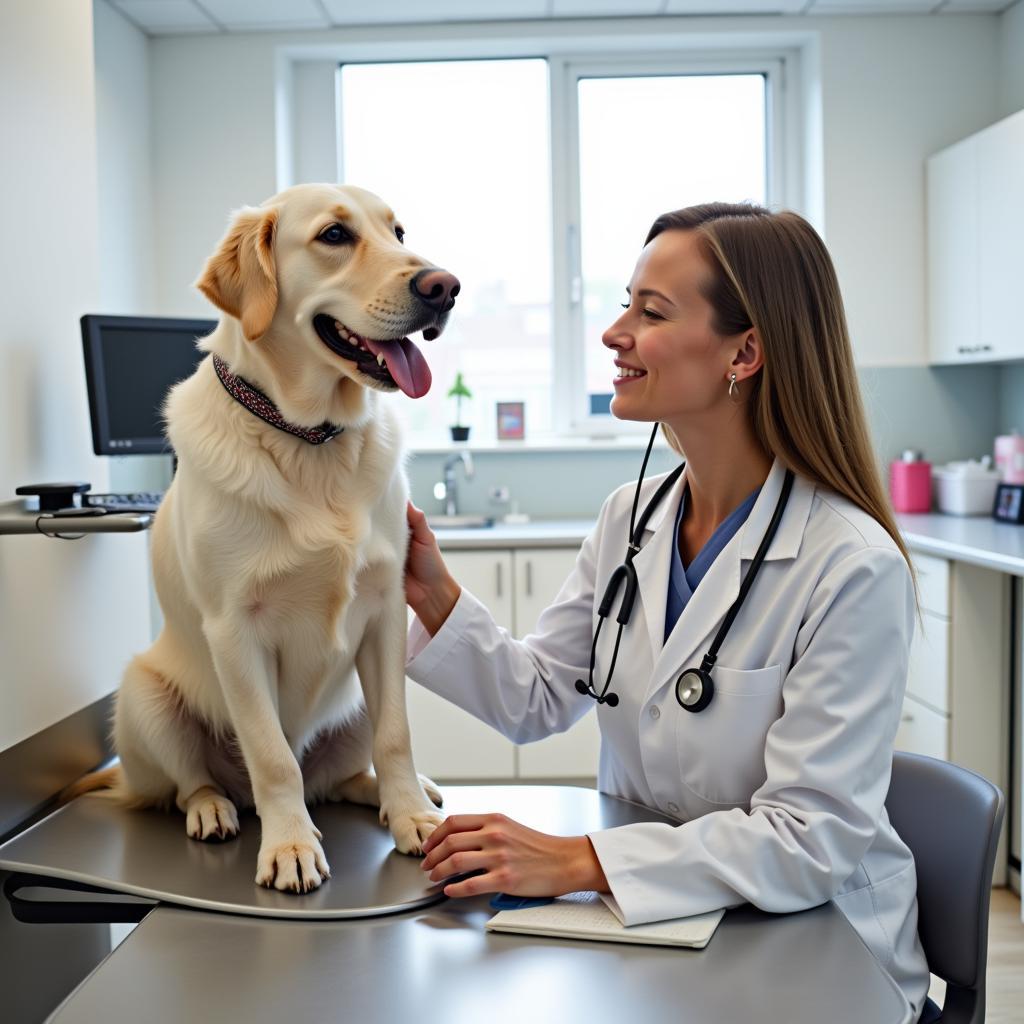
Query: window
[[648, 145], [459, 149], [470, 153]]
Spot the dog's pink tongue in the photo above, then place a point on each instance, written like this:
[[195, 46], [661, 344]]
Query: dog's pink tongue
[[405, 363]]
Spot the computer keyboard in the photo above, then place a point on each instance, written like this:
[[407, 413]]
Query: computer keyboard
[[141, 501]]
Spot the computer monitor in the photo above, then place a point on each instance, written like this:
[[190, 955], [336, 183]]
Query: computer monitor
[[130, 364]]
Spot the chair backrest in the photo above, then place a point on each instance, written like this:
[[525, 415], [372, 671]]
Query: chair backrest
[[950, 818]]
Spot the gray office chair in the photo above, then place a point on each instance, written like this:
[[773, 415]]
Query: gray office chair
[[950, 818]]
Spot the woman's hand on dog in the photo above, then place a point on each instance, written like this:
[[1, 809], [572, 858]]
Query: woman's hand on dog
[[430, 590], [510, 858]]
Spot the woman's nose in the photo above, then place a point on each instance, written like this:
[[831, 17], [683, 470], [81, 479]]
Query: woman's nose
[[616, 336]]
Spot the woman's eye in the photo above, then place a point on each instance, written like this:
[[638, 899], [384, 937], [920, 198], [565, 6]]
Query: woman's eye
[[400, 233], [651, 315], [335, 234], [624, 305]]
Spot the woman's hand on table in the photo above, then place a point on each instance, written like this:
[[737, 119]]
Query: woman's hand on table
[[514, 859]]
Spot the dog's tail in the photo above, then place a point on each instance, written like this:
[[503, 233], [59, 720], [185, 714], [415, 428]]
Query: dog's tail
[[111, 784]]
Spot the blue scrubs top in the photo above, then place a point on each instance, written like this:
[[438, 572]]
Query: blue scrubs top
[[683, 580]]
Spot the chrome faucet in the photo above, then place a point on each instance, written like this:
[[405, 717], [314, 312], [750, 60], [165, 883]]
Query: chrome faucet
[[450, 491]]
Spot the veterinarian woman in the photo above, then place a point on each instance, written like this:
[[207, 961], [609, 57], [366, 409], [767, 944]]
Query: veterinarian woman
[[774, 759]]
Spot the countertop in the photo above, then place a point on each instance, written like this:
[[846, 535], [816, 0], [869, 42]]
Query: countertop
[[979, 540], [539, 533]]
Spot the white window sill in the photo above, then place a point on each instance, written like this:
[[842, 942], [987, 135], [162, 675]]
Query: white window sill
[[539, 444]]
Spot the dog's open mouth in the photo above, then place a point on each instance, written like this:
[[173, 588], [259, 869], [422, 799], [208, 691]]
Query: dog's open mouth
[[396, 363]]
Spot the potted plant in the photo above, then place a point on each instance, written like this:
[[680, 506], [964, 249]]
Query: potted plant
[[459, 391]]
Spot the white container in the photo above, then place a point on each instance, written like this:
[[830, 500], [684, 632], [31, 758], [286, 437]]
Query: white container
[[965, 488]]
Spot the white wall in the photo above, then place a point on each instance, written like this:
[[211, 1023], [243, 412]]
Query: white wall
[[893, 90], [70, 613], [127, 250]]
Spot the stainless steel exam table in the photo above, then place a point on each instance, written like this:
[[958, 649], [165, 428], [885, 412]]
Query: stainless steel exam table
[[379, 943]]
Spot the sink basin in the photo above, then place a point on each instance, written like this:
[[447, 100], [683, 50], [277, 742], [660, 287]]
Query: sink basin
[[466, 522]]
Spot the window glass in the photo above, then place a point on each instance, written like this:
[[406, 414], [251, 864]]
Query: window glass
[[649, 145], [459, 149]]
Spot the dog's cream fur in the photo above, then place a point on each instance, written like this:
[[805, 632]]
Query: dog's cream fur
[[279, 673]]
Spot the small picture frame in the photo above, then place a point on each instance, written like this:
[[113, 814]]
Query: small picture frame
[[1009, 503], [511, 421]]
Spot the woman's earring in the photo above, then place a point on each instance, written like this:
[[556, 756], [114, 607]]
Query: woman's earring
[[733, 389]]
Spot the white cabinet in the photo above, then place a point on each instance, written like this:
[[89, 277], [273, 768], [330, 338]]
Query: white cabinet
[[975, 220], [448, 743], [539, 575], [1000, 230], [957, 696], [953, 278]]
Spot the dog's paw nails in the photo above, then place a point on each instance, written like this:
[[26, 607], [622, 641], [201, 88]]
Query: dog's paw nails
[[411, 830], [212, 817], [292, 866]]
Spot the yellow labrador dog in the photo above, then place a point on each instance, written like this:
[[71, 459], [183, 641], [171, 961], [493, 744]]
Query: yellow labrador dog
[[278, 551]]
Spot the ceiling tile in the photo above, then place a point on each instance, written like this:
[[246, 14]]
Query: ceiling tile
[[166, 16], [872, 6], [712, 7], [975, 6], [359, 12], [605, 8], [241, 15]]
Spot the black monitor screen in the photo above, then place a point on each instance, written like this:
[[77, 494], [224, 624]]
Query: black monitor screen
[[131, 363]]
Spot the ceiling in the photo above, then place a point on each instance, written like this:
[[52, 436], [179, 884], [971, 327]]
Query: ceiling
[[170, 17]]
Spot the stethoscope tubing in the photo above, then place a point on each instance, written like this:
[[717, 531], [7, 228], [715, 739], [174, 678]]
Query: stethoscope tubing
[[626, 573]]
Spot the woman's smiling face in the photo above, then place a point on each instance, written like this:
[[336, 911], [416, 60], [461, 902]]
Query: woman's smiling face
[[671, 362]]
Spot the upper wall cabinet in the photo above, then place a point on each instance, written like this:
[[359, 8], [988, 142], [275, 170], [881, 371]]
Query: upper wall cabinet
[[975, 224]]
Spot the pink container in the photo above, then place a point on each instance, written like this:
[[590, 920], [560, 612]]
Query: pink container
[[910, 483], [1009, 452]]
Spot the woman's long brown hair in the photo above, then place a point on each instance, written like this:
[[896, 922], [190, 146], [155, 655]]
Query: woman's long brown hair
[[772, 272]]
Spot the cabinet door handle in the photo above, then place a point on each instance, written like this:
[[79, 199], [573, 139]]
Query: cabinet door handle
[[498, 581], [529, 579], [906, 718]]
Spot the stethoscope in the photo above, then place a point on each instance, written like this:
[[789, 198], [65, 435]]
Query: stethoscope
[[694, 687]]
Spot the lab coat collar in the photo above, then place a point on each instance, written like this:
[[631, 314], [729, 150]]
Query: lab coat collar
[[791, 530], [721, 584]]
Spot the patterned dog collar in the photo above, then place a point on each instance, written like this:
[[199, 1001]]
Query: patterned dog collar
[[259, 405]]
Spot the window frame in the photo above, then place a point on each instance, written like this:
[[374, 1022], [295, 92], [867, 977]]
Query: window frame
[[570, 415], [787, 59]]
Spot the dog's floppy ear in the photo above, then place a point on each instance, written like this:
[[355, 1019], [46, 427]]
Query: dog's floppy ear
[[241, 277]]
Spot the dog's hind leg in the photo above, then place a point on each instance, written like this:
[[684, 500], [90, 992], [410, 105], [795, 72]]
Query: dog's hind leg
[[336, 766], [163, 751]]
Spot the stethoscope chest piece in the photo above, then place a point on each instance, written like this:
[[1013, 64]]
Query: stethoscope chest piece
[[694, 689]]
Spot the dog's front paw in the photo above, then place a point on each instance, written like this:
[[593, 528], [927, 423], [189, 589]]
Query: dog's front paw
[[292, 859], [409, 830], [209, 815]]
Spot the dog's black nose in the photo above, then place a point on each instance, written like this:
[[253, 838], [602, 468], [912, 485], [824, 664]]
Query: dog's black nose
[[436, 289]]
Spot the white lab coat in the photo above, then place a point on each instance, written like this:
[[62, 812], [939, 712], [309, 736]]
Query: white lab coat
[[779, 784]]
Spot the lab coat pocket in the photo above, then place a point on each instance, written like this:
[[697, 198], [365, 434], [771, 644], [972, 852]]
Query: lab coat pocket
[[721, 749]]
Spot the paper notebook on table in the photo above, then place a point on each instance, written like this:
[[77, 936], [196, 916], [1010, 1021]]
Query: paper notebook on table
[[586, 915]]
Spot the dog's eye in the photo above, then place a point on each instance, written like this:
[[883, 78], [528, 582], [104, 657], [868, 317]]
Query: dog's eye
[[335, 234], [400, 233]]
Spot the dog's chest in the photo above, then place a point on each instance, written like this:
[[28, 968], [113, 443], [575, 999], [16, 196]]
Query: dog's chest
[[335, 589]]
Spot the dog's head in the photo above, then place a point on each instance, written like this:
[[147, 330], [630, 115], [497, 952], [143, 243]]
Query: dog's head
[[327, 263]]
